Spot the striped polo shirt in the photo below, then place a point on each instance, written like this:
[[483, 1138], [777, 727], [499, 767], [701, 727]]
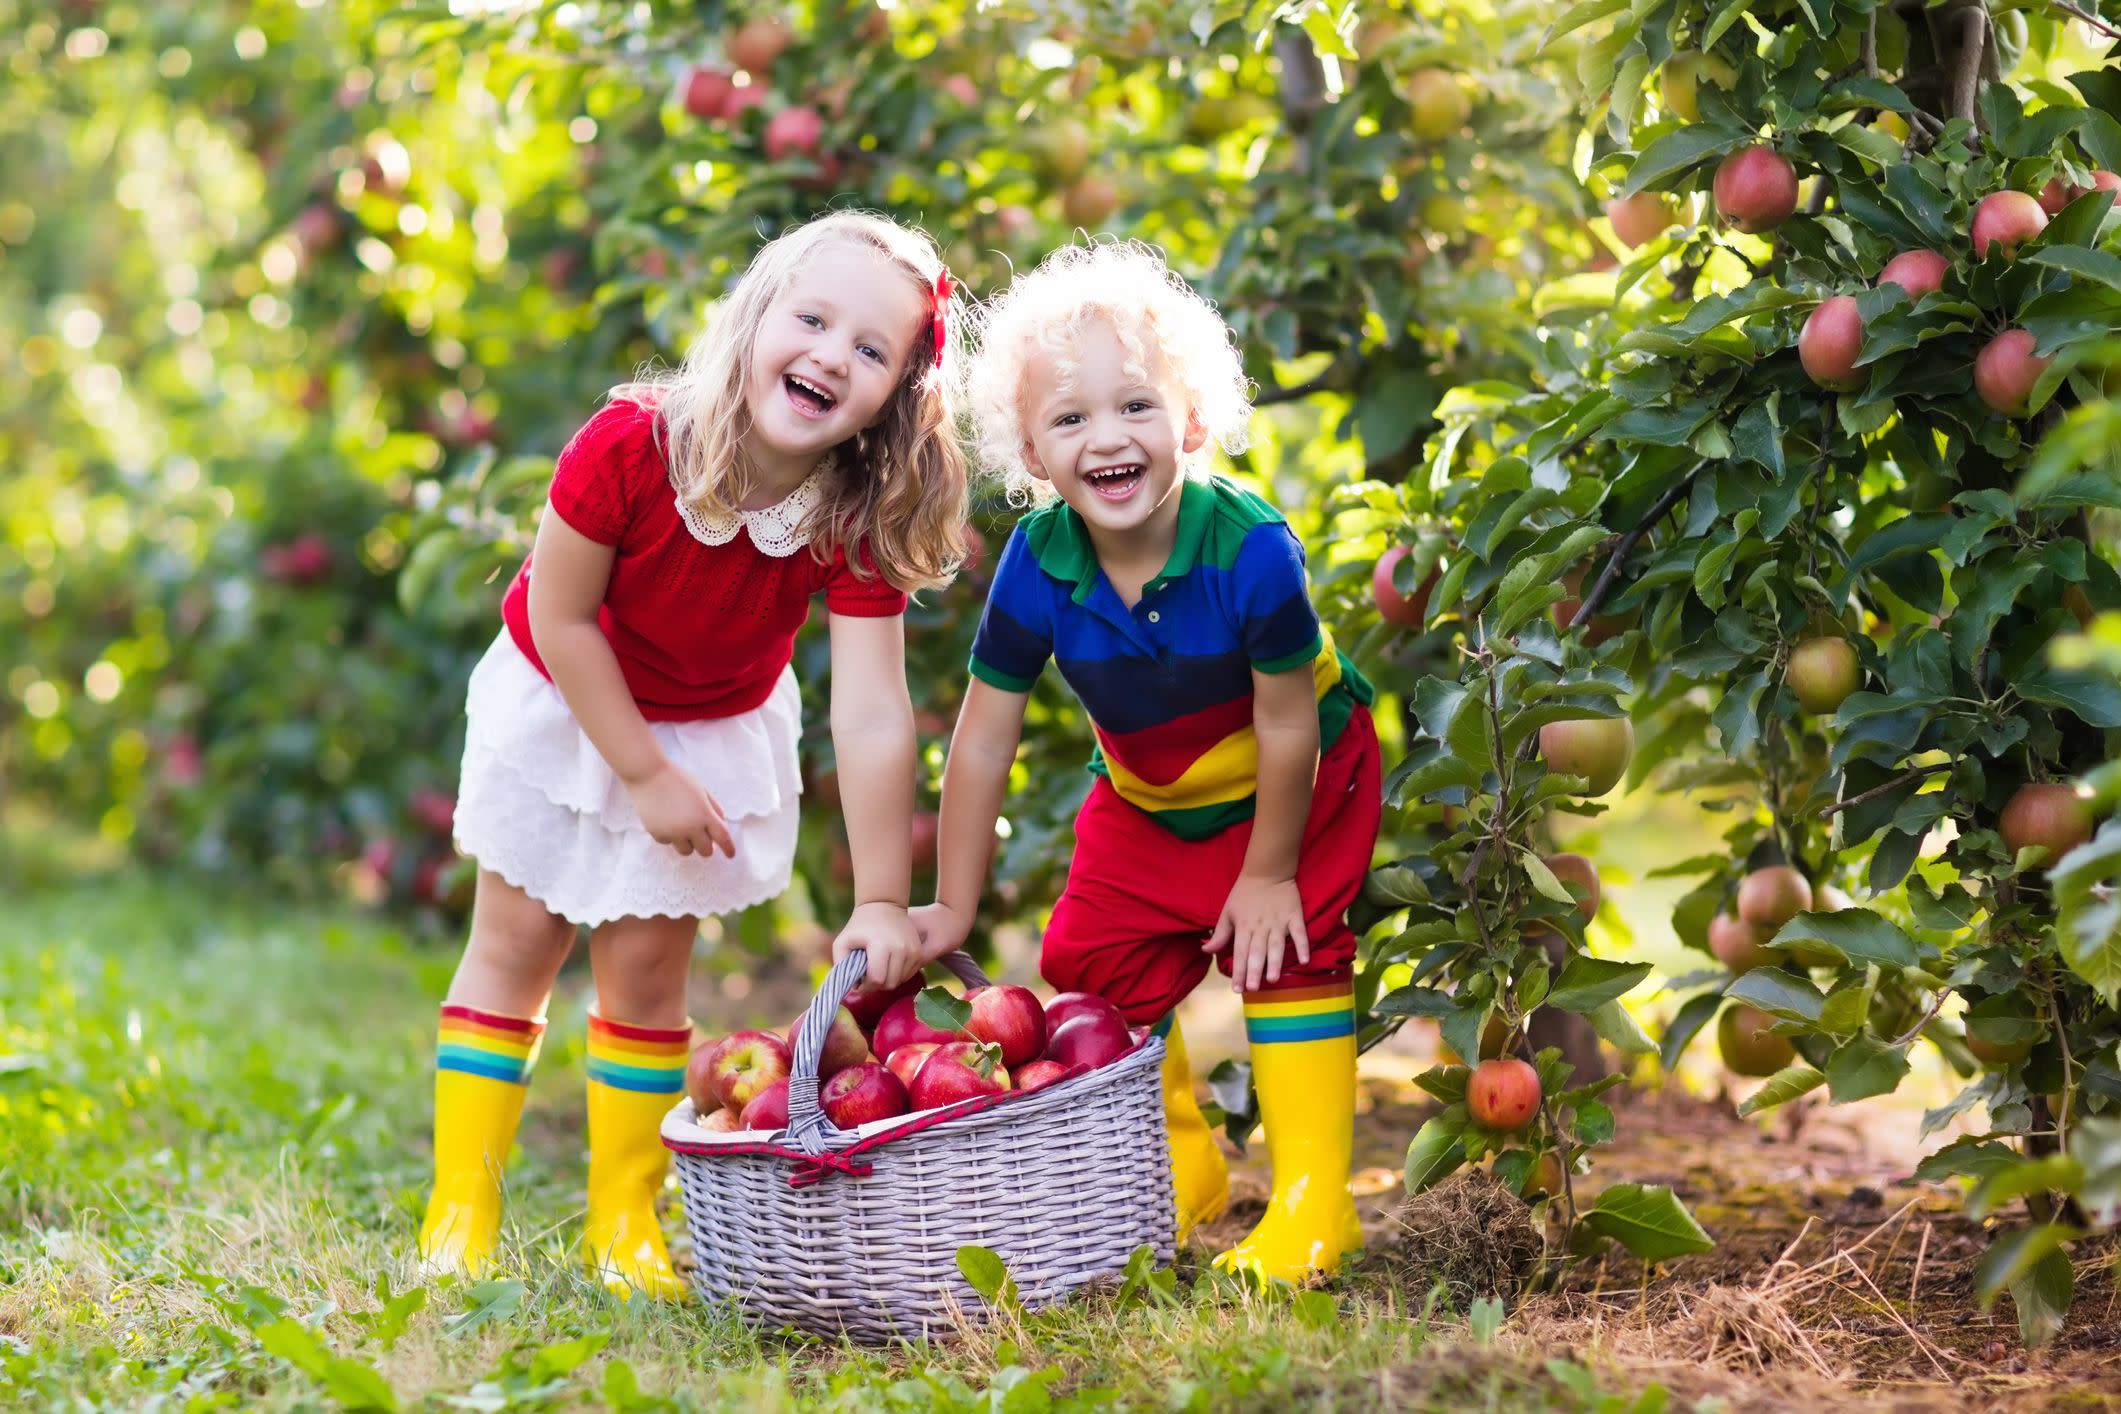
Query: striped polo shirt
[[1168, 683]]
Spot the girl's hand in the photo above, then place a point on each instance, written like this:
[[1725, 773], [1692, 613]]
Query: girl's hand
[[1260, 918], [676, 810], [884, 932], [942, 928]]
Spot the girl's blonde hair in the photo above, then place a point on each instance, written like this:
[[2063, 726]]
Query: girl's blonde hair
[[901, 484], [1164, 325]]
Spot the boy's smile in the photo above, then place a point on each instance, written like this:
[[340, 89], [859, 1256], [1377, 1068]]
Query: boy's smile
[[1110, 438]]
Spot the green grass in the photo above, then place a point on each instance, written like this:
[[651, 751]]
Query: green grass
[[212, 1154]]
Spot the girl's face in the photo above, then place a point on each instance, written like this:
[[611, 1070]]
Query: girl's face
[[1109, 441], [830, 350]]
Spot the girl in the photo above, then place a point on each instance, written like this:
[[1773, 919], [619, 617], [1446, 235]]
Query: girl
[[1237, 798], [630, 753]]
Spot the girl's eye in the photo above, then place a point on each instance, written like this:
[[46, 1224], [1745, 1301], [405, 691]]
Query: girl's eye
[[872, 353]]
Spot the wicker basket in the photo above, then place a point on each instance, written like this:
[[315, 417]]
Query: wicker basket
[[836, 1231]]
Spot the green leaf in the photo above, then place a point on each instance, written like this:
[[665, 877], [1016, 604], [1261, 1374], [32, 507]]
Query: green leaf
[[1686, 1024], [2088, 910], [1615, 1025], [489, 1302], [2052, 1173], [2016, 1256], [942, 1009], [1437, 1149], [1588, 983], [1782, 1087], [2100, 265], [1543, 881], [1971, 1157], [1415, 1001], [2094, 697], [1856, 933], [2042, 1295], [1649, 1221], [987, 1274], [1862, 1068], [1676, 152], [1779, 993]]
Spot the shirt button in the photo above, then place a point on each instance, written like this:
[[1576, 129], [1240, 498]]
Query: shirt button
[[1155, 617]]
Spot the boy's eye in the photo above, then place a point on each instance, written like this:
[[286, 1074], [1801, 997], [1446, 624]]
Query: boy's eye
[[1067, 419], [1138, 405], [812, 320]]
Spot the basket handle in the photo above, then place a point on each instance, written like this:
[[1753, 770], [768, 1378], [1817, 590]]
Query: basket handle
[[808, 1128]]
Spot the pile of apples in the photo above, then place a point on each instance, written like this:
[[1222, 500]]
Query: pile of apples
[[881, 1060]]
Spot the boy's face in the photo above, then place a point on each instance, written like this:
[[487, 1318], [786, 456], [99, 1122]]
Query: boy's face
[[1109, 441], [830, 350]]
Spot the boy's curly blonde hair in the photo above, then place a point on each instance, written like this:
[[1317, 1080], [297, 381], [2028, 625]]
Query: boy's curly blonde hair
[[1162, 323]]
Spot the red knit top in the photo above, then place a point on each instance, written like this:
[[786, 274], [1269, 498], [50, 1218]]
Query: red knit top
[[700, 630]]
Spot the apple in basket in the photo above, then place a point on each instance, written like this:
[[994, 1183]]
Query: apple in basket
[[905, 1062], [1069, 1005], [868, 1004], [1039, 1074], [769, 1108], [900, 1027], [1090, 1039], [845, 1045], [862, 1094], [700, 1084], [959, 1070], [721, 1121], [1011, 1018], [746, 1063]]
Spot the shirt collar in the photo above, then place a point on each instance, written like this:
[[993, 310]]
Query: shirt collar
[[1060, 541]]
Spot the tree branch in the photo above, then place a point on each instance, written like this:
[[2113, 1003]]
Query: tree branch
[[1604, 584], [1870, 46], [2077, 12], [1915, 774], [1324, 382], [1966, 74]]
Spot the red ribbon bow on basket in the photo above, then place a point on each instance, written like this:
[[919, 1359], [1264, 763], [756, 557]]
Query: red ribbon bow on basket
[[943, 287]]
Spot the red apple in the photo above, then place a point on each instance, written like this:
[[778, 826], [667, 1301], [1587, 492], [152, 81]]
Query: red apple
[[2048, 814], [1641, 217], [844, 1043], [316, 226], [1746, 1044], [1039, 1074], [2054, 196], [1069, 1005], [435, 809], [1823, 672], [700, 1083], [906, 1061], [746, 1064], [768, 1109], [2005, 371], [900, 1027], [1405, 610], [793, 131], [862, 1095], [1602, 626], [958, 1071], [1089, 1040], [1595, 748], [1737, 944], [721, 1121], [742, 99], [1503, 1094], [707, 89], [758, 42], [870, 1003], [1090, 201], [2008, 219], [1755, 189], [1771, 897], [1830, 342], [1919, 272], [1011, 1018], [962, 88], [926, 830]]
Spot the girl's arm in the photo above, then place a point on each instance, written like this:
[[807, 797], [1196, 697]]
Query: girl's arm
[[872, 738], [569, 574], [975, 780], [1264, 912]]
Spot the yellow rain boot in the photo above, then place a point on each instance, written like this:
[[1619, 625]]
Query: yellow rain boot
[[635, 1074], [1199, 1172], [1303, 1065], [482, 1070]]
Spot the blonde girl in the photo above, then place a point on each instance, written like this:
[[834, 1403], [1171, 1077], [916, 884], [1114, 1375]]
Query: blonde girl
[[630, 753]]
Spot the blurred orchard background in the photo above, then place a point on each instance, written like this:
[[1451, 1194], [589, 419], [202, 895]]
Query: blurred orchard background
[[1544, 305]]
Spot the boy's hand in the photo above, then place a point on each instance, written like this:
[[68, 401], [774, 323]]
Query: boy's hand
[[942, 928], [676, 810], [1259, 920], [884, 932]]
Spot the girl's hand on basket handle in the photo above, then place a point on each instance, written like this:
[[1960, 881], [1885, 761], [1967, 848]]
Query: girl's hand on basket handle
[[942, 928], [1262, 918], [676, 810], [884, 932]]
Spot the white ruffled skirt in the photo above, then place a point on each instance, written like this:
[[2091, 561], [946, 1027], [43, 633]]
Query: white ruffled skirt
[[538, 805]]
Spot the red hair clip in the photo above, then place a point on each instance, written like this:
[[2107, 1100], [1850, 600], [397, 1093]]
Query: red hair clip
[[943, 287]]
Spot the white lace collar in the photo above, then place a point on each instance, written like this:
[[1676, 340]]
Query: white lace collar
[[776, 529]]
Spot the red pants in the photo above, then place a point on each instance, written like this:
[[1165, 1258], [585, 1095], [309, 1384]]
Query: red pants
[[1140, 901]]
